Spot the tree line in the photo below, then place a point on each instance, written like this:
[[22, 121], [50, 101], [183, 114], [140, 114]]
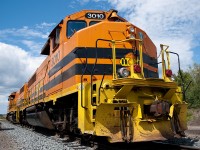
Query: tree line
[[190, 82]]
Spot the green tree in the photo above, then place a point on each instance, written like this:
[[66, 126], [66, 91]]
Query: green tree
[[183, 78], [194, 95]]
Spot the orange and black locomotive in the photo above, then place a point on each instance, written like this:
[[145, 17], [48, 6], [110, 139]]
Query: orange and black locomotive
[[100, 78]]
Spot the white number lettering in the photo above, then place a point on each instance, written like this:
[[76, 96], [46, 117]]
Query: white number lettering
[[100, 16], [95, 16], [89, 15]]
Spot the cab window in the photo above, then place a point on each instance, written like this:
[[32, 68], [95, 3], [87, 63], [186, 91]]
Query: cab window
[[56, 38], [93, 22], [74, 25]]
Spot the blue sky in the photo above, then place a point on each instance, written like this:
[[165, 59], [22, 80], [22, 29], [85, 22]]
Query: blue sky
[[27, 13], [25, 25], [38, 17]]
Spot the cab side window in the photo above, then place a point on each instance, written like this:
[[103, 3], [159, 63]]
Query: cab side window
[[56, 38]]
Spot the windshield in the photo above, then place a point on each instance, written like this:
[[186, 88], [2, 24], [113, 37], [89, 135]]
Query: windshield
[[73, 26], [94, 22]]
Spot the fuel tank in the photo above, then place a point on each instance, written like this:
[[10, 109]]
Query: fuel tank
[[38, 118]]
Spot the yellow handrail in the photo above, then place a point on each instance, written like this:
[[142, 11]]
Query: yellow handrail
[[141, 58], [114, 60], [114, 54], [163, 52], [113, 42]]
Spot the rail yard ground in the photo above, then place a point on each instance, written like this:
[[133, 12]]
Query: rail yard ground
[[15, 137], [194, 117], [194, 125]]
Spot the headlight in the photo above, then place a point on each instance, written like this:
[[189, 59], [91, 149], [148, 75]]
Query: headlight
[[131, 29], [131, 36], [123, 72]]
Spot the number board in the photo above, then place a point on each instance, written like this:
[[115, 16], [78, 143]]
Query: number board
[[100, 16]]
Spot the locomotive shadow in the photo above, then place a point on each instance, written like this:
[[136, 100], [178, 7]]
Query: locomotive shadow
[[3, 129]]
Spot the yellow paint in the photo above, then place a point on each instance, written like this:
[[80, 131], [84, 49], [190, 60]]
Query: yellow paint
[[181, 110], [126, 61], [164, 51]]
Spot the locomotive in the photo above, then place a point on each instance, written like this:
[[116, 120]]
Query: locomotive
[[100, 78]]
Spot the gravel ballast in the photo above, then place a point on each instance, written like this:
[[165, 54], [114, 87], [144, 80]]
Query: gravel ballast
[[14, 137]]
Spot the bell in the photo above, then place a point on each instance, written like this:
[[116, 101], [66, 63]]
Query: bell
[[114, 15]]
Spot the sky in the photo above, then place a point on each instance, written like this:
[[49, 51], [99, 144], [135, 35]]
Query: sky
[[26, 24]]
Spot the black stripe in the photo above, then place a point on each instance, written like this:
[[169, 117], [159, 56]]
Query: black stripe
[[101, 53], [100, 70], [66, 60]]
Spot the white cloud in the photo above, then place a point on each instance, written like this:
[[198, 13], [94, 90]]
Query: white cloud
[[37, 31], [16, 67], [35, 47], [23, 32], [171, 22], [45, 25], [16, 64], [30, 38]]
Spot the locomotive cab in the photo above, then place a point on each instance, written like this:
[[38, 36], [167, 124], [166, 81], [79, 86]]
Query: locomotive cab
[[12, 114]]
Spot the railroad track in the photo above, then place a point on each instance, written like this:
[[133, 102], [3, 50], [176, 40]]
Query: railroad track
[[101, 144], [176, 146], [71, 143], [147, 146]]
